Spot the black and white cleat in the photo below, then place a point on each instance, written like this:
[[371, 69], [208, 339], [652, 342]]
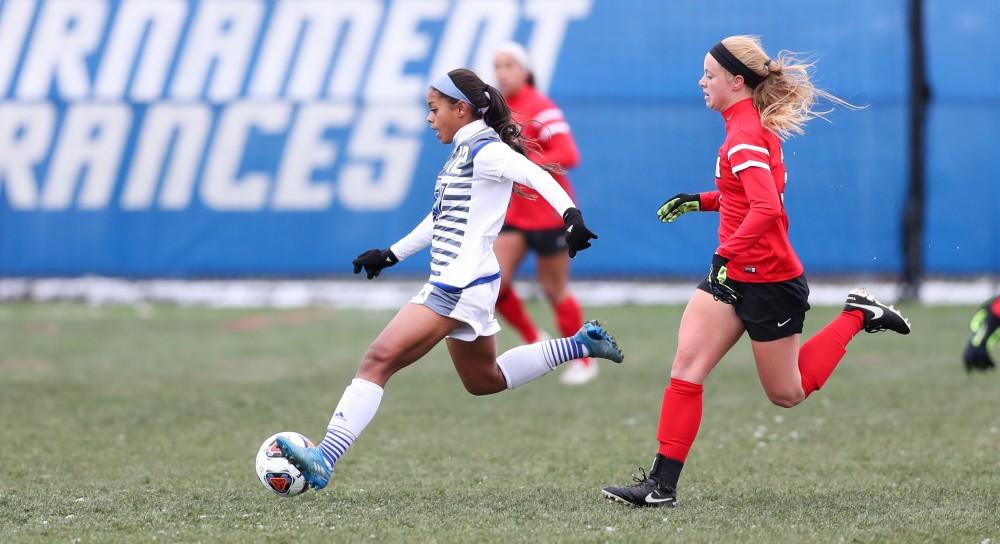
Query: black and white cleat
[[878, 317], [645, 492]]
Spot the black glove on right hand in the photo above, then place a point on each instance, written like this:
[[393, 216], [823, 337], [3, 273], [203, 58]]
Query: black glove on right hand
[[578, 236], [373, 261]]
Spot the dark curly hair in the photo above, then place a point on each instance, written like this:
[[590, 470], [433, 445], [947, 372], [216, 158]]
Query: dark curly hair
[[497, 115]]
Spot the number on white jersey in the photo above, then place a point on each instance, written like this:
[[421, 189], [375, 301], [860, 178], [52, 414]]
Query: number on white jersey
[[460, 158]]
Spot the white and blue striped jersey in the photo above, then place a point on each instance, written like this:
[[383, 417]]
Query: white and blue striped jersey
[[470, 202]]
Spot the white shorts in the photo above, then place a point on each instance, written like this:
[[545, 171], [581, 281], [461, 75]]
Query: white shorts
[[473, 306]]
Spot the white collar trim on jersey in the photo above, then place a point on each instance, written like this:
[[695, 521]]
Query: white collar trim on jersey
[[468, 131]]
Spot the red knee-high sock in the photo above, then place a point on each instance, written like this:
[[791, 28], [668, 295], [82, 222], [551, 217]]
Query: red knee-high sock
[[569, 318], [512, 309], [569, 315], [819, 356], [680, 417]]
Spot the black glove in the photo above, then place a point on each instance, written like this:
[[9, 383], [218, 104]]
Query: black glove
[[578, 236], [977, 358], [718, 281], [985, 326], [678, 205], [373, 261]]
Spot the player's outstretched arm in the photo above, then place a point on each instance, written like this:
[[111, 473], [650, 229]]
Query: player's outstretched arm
[[517, 168], [374, 261], [682, 203]]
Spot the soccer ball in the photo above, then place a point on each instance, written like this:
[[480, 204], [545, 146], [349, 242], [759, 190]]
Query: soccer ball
[[275, 472]]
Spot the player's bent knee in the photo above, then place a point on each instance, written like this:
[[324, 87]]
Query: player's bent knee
[[786, 399], [480, 391], [480, 388], [506, 280], [555, 295], [687, 366]]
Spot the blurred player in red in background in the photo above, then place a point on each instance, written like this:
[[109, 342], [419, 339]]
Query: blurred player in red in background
[[532, 224], [755, 282]]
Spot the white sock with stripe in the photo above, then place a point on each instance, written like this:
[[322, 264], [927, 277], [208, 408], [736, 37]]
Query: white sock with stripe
[[526, 363], [354, 412]]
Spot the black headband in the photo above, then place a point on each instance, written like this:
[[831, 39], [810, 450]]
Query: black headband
[[734, 66]]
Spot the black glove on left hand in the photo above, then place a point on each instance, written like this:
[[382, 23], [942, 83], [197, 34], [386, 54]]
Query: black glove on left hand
[[718, 281], [578, 236], [678, 205], [373, 261]]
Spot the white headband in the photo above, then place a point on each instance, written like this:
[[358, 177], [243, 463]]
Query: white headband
[[447, 87], [517, 51]]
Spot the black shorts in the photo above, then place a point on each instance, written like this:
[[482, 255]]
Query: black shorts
[[542, 242], [770, 311]]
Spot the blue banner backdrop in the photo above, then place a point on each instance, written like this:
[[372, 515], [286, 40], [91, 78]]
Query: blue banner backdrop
[[177, 138]]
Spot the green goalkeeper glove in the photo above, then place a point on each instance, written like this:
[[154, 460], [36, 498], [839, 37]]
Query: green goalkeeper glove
[[678, 205], [718, 281], [985, 326]]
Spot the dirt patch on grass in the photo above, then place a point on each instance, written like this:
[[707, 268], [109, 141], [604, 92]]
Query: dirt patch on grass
[[29, 364], [259, 322]]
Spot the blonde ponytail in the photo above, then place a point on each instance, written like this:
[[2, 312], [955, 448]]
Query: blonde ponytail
[[787, 97]]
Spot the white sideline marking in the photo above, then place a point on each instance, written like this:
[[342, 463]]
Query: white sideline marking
[[380, 294]]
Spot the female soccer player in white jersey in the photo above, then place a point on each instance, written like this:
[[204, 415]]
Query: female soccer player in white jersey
[[457, 303], [755, 282]]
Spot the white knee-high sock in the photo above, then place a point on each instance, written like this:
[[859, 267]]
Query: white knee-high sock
[[354, 412], [526, 363]]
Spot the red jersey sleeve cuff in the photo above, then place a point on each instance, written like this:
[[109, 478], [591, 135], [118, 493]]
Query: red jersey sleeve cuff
[[709, 201]]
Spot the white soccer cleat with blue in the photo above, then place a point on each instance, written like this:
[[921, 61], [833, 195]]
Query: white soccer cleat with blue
[[599, 342], [309, 461]]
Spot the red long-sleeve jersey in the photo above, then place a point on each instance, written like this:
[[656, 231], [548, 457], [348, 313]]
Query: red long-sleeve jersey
[[750, 175], [542, 121]]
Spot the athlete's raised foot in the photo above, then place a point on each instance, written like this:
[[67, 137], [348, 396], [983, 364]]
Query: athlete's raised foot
[[599, 342], [647, 491], [309, 461], [878, 316]]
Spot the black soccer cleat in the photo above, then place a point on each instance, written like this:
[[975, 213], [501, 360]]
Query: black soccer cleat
[[647, 491], [878, 316]]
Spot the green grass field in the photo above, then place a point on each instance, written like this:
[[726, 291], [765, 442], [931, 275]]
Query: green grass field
[[141, 424]]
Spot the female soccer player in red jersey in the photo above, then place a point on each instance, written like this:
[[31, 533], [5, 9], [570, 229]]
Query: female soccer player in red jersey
[[756, 282], [532, 224], [456, 304]]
